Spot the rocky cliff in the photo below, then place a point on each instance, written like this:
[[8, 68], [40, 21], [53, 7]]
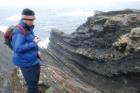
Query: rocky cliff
[[6, 67], [101, 56]]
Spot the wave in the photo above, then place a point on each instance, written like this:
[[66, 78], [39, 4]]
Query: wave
[[3, 28], [15, 17], [43, 44], [79, 13]]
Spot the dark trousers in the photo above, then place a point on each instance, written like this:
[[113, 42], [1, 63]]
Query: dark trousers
[[31, 76]]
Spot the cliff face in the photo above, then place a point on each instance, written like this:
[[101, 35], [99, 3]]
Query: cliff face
[[6, 67], [101, 56], [10, 78]]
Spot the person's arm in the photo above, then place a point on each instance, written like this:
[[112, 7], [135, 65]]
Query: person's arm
[[20, 45]]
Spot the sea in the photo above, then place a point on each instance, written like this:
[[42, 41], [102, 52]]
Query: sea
[[66, 20], [63, 19]]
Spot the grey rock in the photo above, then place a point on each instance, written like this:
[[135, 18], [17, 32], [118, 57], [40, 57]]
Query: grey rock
[[88, 61], [6, 67], [96, 58]]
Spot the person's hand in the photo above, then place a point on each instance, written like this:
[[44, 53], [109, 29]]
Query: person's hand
[[37, 39]]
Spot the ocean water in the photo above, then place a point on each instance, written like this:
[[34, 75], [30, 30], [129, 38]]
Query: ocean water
[[64, 19]]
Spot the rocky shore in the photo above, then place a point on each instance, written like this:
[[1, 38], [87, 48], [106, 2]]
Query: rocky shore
[[6, 67], [101, 56]]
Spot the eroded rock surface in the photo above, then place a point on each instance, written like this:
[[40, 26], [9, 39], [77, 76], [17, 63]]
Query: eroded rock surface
[[97, 57], [6, 67], [101, 56]]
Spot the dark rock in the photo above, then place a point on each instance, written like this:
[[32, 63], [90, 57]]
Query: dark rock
[[102, 56], [95, 59]]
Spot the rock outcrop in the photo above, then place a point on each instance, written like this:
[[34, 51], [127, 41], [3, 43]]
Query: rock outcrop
[[6, 67], [101, 56]]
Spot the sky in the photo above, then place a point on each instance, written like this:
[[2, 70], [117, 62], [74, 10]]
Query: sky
[[101, 5], [62, 3]]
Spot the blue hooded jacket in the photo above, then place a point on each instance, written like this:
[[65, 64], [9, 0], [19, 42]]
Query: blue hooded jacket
[[25, 50]]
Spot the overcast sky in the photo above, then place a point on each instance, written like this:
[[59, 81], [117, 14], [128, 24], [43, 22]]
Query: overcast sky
[[61, 3], [101, 5]]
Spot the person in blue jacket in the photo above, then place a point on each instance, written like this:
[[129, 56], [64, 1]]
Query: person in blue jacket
[[25, 51]]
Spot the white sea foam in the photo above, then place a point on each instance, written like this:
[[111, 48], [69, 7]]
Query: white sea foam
[[79, 13], [43, 44], [3, 28], [15, 17]]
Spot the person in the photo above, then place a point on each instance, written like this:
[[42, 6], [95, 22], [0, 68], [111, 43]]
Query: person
[[25, 51]]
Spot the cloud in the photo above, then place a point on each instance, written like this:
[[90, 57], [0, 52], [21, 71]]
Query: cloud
[[56, 2]]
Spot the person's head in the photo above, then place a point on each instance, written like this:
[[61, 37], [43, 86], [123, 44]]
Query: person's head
[[28, 16]]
